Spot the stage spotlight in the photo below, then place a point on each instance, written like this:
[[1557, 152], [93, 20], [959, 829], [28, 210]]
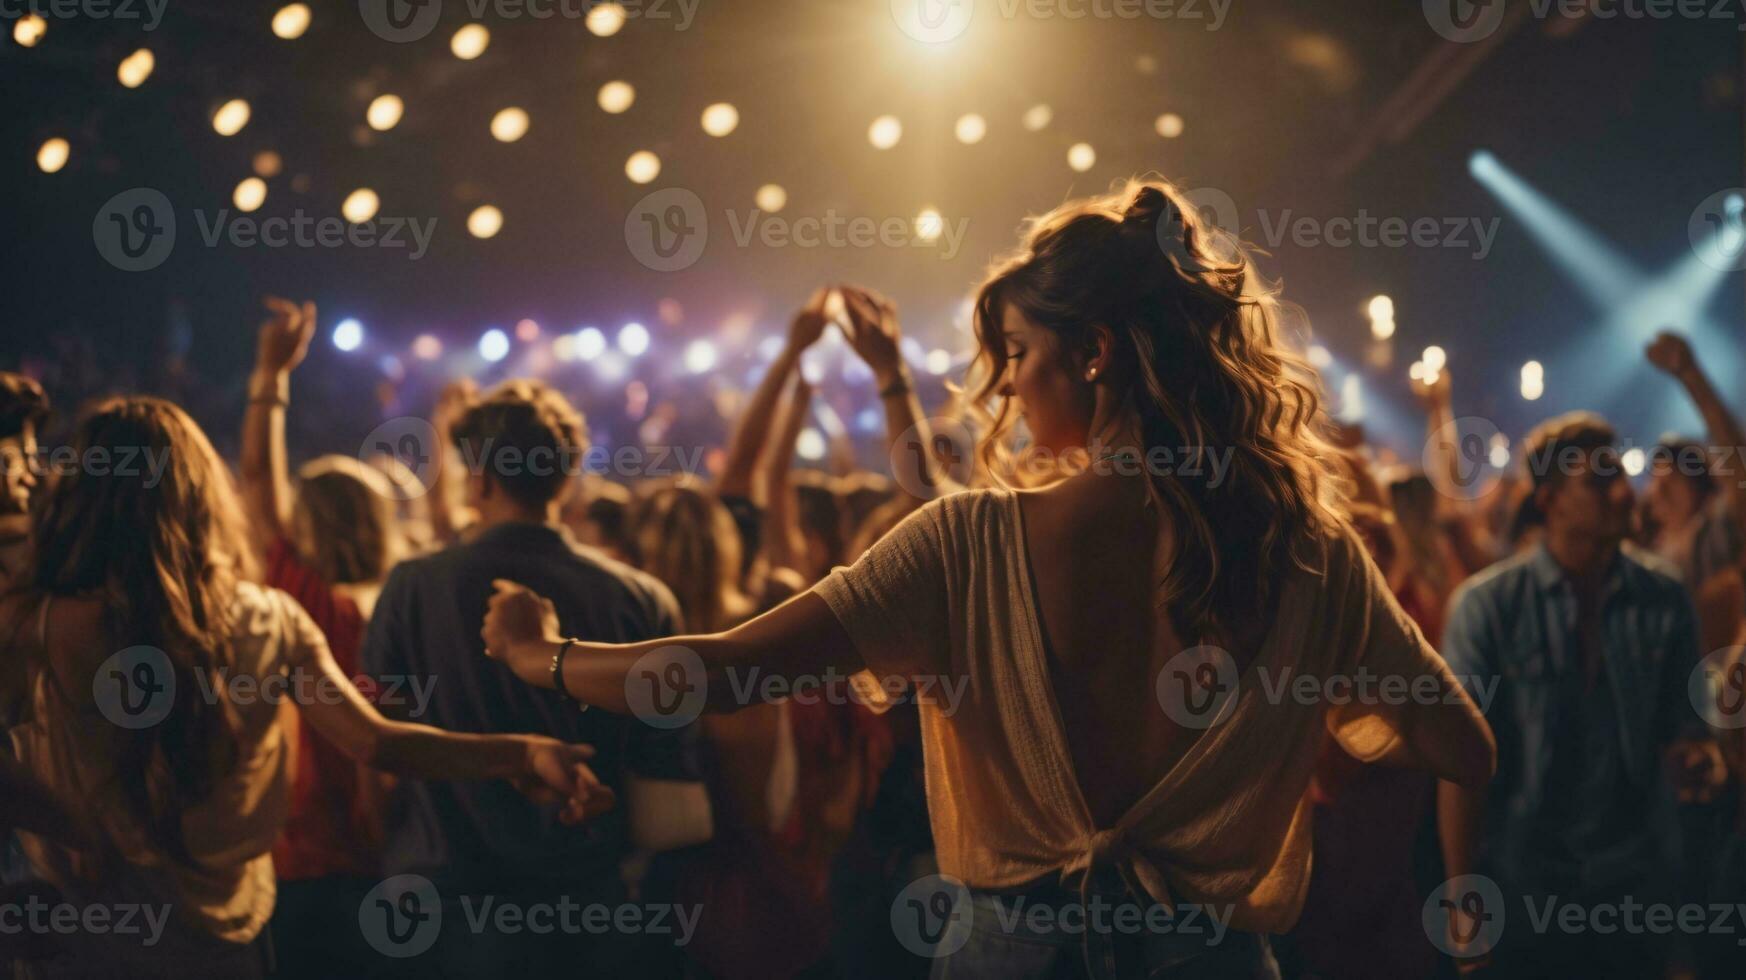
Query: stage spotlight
[[1169, 125], [485, 221], [29, 30], [699, 356], [1038, 117], [971, 128], [360, 205], [470, 41], [642, 167], [633, 339], [1604, 275], [1634, 460], [290, 21], [509, 124], [720, 119], [231, 117], [384, 112], [348, 334], [136, 68], [810, 444], [885, 132], [929, 225], [249, 195], [1081, 157], [771, 198], [427, 347], [605, 19], [494, 345], [53, 154], [1482, 164], [1435, 358], [616, 97], [268, 164], [590, 343]]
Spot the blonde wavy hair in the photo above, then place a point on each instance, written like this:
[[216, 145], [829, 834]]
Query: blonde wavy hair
[[1200, 366]]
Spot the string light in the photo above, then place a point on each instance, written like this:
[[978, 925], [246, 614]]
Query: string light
[[249, 195], [642, 167], [1081, 157], [231, 117], [360, 205], [53, 154], [384, 112], [485, 221], [771, 198], [290, 21], [29, 30], [605, 19], [509, 124], [136, 68], [470, 41], [720, 119], [616, 96], [885, 132]]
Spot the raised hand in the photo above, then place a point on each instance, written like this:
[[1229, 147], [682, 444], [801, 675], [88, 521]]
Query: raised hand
[[876, 335], [1436, 392], [284, 336], [808, 325], [1671, 353]]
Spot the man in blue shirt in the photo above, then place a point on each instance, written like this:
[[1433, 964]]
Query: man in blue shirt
[[1592, 648], [482, 844]]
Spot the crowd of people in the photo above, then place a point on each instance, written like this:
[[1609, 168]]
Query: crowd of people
[[1057, 674]]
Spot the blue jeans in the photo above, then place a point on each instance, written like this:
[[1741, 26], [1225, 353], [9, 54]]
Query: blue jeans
[[1047, 933]]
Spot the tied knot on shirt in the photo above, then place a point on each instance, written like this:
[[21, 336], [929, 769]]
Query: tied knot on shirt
[[1107, 859]]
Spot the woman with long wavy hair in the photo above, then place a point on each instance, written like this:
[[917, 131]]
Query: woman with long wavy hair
[[145, 677], [1098, 661]]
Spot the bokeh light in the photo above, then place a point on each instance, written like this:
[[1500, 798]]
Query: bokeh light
[[699, 356], [970, 129], [231, 117], [53, 154], [1038, 117], [470, 41], [290, 21], [360, 205], [771, 198], [720, 119], [885, 132], [485, 221], [617, 96], [642, 167], [633, 339], [605, 19], [509, 124], [136, 68], [1081, 157], [29, 30], [384, 112], [929, 225], [250, 194], [268, 164], [1169, 125], [494, 345], [348, 334], [427, 347]]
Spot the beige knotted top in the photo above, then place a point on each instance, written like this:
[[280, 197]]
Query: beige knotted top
[[946, 598]]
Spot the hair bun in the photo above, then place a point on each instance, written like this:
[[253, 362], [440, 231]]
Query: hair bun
[[1148, 205]]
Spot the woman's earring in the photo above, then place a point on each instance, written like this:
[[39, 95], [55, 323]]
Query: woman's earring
[[1091, 375]]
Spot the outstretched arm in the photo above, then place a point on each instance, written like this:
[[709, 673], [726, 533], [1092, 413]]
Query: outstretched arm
[[800, 638], [265, 474], [784, 543]]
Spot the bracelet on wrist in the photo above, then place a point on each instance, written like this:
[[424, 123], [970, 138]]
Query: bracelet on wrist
[[558, 674], [898, 386]]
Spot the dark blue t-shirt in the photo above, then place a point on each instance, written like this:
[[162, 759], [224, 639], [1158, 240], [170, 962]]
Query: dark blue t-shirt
[[425, 629]]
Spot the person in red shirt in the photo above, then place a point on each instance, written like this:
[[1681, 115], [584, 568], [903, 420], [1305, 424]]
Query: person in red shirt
[[329, 545]]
